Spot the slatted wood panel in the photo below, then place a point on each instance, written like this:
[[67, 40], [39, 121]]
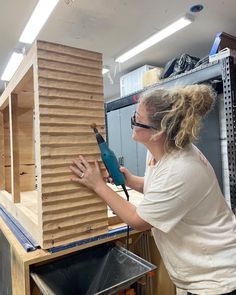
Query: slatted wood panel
[[70, 100]]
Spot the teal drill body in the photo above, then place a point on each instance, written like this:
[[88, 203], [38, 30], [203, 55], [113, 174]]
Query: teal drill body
[[110, 160]]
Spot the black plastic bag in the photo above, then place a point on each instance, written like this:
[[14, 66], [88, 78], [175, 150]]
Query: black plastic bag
[[179, 65]]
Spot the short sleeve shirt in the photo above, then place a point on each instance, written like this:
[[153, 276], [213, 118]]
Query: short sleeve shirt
[[193, 226]]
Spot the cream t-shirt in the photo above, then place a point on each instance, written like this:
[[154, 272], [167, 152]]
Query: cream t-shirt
[[193, 227]]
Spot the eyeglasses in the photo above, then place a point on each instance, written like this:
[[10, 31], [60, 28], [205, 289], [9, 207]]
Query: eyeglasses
[[134, 123]]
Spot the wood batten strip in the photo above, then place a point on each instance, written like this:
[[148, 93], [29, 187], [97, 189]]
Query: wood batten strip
[[71, 112], [75, 130], [69, 103], [54, 163], [56, 208], [44, 64], [69, 121], [70, 219], [73, 151], [74, 237], [69, 232], [72, 212], [60, 170], [81, 191], [70, 59], [70, 77], [56, 189], [69, 94], [72, 51], [60, 139], [71, 86], [57, 202], [56, 179]]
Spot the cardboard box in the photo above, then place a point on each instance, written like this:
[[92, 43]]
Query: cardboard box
[[152, 76]]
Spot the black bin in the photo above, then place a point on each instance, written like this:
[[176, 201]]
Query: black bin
[[104, 269]]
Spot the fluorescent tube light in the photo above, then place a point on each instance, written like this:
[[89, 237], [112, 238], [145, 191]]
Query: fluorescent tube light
[[12, 66], [164, 33], [105, 70], [38, 18]]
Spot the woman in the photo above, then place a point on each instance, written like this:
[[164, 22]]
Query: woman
[[192, 225]]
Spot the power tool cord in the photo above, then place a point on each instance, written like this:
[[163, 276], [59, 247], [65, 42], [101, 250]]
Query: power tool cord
[[127, 197]]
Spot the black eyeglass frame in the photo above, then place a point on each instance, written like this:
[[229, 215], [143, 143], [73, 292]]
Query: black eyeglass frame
[[134, 123]]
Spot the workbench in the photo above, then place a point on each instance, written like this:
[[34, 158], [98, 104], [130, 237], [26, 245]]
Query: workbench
[[16, 263]]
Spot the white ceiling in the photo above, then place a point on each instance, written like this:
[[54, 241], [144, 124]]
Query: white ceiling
[[113, 26]]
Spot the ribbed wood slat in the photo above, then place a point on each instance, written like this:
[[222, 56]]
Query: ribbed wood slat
[[69, 94], [63, 76], [68, 68], [56, 188], [74, 236], [71, 86], [69, 59], [69, 103], [63, 168], [61, 130], [70, 100], [67, 213], [69, 121], [62, 151], [62, 161], [78, 231], [56, 204], [78, 219], [73, 51], [72, 112]]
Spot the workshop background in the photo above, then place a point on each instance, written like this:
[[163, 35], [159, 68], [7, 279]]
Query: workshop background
[[99, 31]]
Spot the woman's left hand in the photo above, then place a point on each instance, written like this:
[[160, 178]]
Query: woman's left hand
[[86, 174]]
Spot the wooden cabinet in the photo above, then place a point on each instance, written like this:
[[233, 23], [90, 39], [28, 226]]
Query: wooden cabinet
[[45, 117]]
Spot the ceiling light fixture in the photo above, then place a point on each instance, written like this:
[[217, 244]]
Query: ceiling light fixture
[[164, 33], [105, 70], [38, 18], [12, 66]]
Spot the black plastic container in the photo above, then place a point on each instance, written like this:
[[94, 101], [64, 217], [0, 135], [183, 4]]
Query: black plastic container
[[104, 269]]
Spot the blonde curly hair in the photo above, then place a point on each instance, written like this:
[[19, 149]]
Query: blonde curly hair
[[178, 112]]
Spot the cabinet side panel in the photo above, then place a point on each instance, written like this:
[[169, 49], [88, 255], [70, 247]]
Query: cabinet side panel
[[70, 100]]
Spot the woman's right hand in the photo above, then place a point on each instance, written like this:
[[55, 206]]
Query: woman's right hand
[[132, 181], [128, 176]]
